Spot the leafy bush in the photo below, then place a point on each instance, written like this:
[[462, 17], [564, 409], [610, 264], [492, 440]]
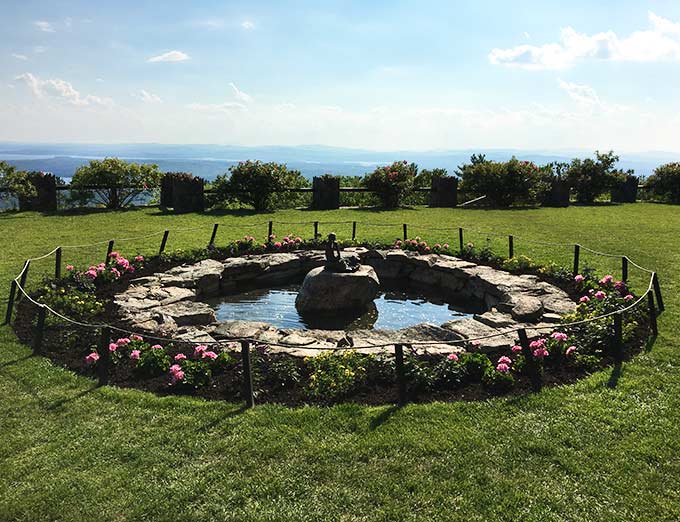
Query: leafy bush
[[665, 182], [71, 302], [503, 183], [258, 184], [196, 373], [153, 360], [498, 382], [420, 375], [334, 375], [475, 365], [392, 183], [116, 182], [15, 182], [450, 372], [590, 178]]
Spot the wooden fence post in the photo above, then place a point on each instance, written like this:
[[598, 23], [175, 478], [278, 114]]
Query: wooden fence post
[[460, 238], [511, 246], [214, 233], [270, 231], [657, 292], [10, 301], [57, 263], [354, 230], [248, 394], [624, 269], [401, 377], [618, 338], [104, 356], [405, 228], [109, 249], [163, 242], [39, 329], [652, 313], [530, 363], [316, 230], [577, 253], [24, 275]]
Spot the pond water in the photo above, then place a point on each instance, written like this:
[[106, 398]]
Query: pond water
[[394, 308]]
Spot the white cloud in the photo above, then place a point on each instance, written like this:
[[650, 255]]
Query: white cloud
[[38, 49], [170, 56], [19, 56], [247, 25], [60, 90], [659, 43], [580, 93], [240, 95], [526, 35], [44, 26], [148, 97], [212, 108]]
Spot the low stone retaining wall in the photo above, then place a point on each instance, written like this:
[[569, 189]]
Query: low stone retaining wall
[[168, 304]]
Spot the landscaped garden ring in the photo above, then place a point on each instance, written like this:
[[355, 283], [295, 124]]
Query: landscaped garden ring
[[404, 362]]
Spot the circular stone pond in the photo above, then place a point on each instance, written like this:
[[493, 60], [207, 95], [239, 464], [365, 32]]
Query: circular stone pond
[[428, 299]]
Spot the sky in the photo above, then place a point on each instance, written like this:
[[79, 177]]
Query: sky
[[383, 75]]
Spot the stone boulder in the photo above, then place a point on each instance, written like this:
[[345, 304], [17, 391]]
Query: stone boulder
[[324, 291]]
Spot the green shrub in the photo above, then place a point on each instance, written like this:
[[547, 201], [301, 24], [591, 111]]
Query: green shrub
[[334, 375], [71, 302], [665, 182], [392, 183], [153, 361], [591, 178], [196, 373], [497, 382], [476, 364], [450, 373], [15, 182], [116, 182], [420, 375]]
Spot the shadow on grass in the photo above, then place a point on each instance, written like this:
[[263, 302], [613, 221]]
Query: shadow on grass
[[617, 371], [65, 400], [16, 361], [88, 211], [232, 212], [649, 343], [215, 422], [384, 416]]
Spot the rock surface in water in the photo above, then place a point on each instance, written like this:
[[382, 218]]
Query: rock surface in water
[[324, 291]]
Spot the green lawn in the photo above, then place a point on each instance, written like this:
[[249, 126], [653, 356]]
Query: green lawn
[[602, 449]]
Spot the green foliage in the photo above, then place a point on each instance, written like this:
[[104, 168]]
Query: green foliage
[[590, 178], [419, 374], [334, 375], [258, 184], [117, 182], [392, 183], [72, 302], [498, 382], [450, 373], [476, 364], [196, 373], [15, 182], [153, 361], [665, 182]]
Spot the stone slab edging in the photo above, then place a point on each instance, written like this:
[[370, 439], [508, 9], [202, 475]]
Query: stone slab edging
[[168, 304]]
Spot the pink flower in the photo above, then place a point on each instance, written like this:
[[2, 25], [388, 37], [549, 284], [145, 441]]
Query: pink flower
[[559, 336], [92, 358], [134, 354], [139, 259], [180, 357], [437, 245], [116, 273], [175, 368], [272, 236], [113, 347], [599, 295], [538, 343], [113, 254], [516, 349], [427, 249], [100, 269], [628, 297], [619, 285], [156, 347], [606, 280], [298, 240], [136, 337], [445, 245], [475, 343], [570, 350], [579, 278], [423, 244], [198, 351], [584, 299], [414, 242], [504, 360], [398, 243], [503, 368], [123, 341], [209, 355], [452, 357], [540, 353], [277, 244], [70, 268]]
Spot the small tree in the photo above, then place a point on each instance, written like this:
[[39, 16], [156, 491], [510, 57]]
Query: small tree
[[256, 183], [392, 183], [590, 178], [665, 182], [116, 182], [15, 182]]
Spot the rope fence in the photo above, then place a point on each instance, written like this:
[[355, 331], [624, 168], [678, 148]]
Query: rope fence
[[651, 296]]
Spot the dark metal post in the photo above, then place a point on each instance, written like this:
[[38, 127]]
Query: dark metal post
[[405, 227], [354, 230], [401, 378], [57, 263], [460, 238], [109, 249], [657, 292], [248, 394], [163, 242], [618, 338], [24, 275], [10, 301], [511, 246], [624, 269], [531, 365], [270, 231], [214, 233], [652, 313], [39, 329], [316, 230], [577, 253], [104, 356]]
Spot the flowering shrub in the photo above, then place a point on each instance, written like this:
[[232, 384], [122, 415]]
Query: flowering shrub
[[102, 273], [333, 375], [392, 182], [498, 380], [451, 372], [476, 364], [71, 302], [151, 360]]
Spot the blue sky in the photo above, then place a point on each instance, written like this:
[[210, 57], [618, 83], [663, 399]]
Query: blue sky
[[378, 75]]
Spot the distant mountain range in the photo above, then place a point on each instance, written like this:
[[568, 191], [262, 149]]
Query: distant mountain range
[[209, 161]]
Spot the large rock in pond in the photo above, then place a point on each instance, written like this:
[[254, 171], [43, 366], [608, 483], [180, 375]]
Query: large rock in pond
[[324, 290]]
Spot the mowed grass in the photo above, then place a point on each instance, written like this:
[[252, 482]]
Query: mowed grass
[[606, 448]]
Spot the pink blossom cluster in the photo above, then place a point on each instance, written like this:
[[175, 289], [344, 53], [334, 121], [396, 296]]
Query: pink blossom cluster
[[452, 357], [503, 365], [91, 358], [288, 242], [539, 349], [176, 373]]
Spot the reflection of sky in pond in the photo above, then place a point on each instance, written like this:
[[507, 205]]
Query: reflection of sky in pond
[[392, 309]]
